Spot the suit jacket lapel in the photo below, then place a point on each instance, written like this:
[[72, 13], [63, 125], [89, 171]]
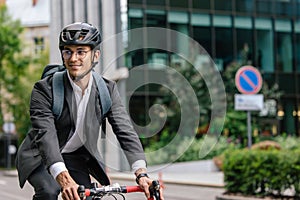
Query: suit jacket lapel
[[92, 123], [71, 103]]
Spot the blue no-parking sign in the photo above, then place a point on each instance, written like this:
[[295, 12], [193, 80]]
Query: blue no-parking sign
[[248, 80]]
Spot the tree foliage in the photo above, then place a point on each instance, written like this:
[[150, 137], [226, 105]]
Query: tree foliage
[[12, 64], [16, 77]]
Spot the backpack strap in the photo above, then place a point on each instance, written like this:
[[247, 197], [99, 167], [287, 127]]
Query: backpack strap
[[58, 93], [103, 93]]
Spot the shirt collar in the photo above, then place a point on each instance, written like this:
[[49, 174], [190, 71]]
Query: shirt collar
[[76, 88]]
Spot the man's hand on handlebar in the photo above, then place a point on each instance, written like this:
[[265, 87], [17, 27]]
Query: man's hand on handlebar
[[147, 184], [68, 186]]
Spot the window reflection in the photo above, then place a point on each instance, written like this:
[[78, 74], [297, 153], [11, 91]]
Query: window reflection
[[264, 6], [244, 6], [224, 48], [297, 53], [284, 46], [223, 5], [264, 44]]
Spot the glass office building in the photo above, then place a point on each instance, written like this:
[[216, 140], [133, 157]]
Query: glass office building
[[270, 29]]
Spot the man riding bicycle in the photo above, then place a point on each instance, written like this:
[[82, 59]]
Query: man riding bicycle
[[58, 154]]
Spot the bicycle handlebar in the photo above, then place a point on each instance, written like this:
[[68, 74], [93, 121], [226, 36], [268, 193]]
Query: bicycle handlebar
[[117, 189]]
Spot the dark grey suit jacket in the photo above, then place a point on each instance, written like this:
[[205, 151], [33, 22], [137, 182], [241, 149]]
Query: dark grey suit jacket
[[44, 142]]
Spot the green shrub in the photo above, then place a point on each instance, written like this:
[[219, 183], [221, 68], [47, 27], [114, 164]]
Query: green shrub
[[262, 172]]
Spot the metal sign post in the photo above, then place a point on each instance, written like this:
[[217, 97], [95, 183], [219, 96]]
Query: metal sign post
[[248, 81], [249, 129]]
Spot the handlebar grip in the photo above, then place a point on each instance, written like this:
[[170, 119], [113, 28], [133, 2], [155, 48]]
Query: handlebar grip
[[130, 189]]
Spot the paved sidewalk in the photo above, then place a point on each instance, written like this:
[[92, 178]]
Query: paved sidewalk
[[205, 179], [199, 173]]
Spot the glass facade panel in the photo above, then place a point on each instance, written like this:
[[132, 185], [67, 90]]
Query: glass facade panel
[[244, 40], [297, 9], [178, 17], [180, 44], [244, 6], [243, 22], [284, 52], [284, 8], [264, 44], [269, 78], [289, 120], [287, 83], [135, 1], [156, 18], [263, 24], [264, 7], [135, 23], [135, 13], [222, 21], [297, 45], [203, 36], [264, 49], [157, 59], [297, 53], [224, 48], [156, 2], [135, 58], [283, 26], [223, 5], [200, 20], [202, 4], [179, 3]]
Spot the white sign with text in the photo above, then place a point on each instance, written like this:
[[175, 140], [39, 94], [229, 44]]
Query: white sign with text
[[248, 102]]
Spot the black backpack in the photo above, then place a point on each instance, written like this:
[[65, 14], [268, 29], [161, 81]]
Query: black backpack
[[58, 89]]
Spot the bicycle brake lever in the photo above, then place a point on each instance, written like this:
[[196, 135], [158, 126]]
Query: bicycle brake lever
[[81, 191], [154, 190]]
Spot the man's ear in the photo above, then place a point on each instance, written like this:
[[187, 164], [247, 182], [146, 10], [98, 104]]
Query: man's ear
[[97, 55]]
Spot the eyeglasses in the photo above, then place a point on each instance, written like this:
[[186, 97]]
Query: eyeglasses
[[80, 54]]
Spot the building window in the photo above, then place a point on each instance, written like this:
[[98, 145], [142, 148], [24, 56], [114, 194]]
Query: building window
[[264, 44], [203, 36], [156, 2], [223, 5], [244, 6], [224, 47], [284, 54], [39, 44], [244, 40], [156, 18], [264, 7], [297, 7], [283, 79], [297, 46], [179, 4], [202, 4], [284, 8]]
